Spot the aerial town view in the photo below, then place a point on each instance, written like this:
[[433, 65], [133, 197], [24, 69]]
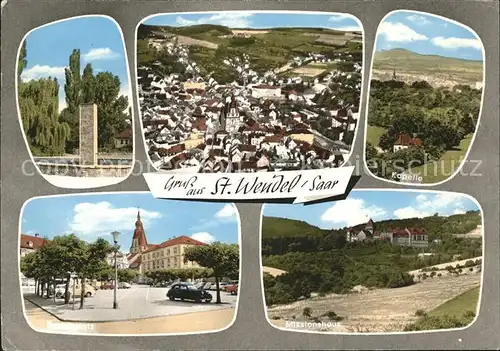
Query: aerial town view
[[380, 261], [425, 98], [74, 102], [128, 263], [247, 92]]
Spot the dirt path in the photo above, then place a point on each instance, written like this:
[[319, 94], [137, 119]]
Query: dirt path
[[381, 310], [273, 271], [190, 322], [191, 41]]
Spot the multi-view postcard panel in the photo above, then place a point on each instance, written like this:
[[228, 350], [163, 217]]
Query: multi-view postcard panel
[[127, 263], [380, 261], [425, 98], [74, 102], [246, 92]]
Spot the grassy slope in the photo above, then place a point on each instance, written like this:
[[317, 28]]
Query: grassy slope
[[274, 226], [466, 301], [446, 166], [373, 134]]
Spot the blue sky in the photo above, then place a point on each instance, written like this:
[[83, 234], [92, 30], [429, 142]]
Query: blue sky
[[99, 41], [378, 205], [259, 20], [427, 34], [92, 216]]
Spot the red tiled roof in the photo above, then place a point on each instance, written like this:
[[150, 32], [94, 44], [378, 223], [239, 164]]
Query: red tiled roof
[[249, 148], [36, 241], [173, 149], [406, 140], [273, 138], [126, 134], [176, 241], [200, 124], [155, 122]]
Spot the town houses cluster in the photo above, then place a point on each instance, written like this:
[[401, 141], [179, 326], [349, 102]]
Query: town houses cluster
[[259, 122], [415, 237]]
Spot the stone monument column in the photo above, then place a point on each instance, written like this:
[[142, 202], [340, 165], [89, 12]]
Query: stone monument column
[[88, 134]]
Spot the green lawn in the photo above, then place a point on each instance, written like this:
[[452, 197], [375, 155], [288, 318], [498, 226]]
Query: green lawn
[[456, 307], [434, 172], [373, 134]]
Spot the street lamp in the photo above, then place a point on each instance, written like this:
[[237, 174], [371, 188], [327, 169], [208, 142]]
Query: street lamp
[[115, 241]]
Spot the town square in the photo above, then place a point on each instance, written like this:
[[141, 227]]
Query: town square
[[97, 280]]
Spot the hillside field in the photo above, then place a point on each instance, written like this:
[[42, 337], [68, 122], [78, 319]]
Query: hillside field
[[439, 69]]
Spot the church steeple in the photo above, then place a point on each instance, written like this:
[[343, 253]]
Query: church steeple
[[139, 241]]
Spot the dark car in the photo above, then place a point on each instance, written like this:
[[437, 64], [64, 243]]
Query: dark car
[[185, 291]]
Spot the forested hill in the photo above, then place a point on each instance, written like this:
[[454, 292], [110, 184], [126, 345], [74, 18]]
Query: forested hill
[[284, 227], [436, 225]]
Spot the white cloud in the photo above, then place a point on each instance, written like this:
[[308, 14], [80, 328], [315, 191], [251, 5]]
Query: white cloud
[[227, 211], [100, 54], [229, 19], [348, 28], [92, 220], [351, 212], [42, 71], [410, 212], [339, 17], [427, 205], [204, 237], [457, 43], [418, 19], [399, 32]]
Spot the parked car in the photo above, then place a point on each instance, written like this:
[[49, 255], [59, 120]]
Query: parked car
[[124, 285], [61, 288], [106, 286], [232, 289], [187, 291], [200, 285]]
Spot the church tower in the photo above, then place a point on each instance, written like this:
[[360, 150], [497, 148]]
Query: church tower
[[139, 241], [232, 119]]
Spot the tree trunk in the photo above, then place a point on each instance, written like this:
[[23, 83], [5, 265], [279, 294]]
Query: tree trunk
[[217, 289], [82, 293], [47, 294], [36, 286], [66, 290], [43, 288]]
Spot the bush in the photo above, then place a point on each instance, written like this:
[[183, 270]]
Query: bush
[[469, 263], [420, 313], [469, 315], [471, 269], [440, 275], [438, 322], [275, 317], [433, 274], [424, 276]]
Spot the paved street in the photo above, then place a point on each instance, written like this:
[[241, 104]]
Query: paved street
[[214, 320], [135, 303]]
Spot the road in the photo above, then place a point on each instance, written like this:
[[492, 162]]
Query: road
[[379, 310], [138, 302], [40, 320], [329, 143]]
